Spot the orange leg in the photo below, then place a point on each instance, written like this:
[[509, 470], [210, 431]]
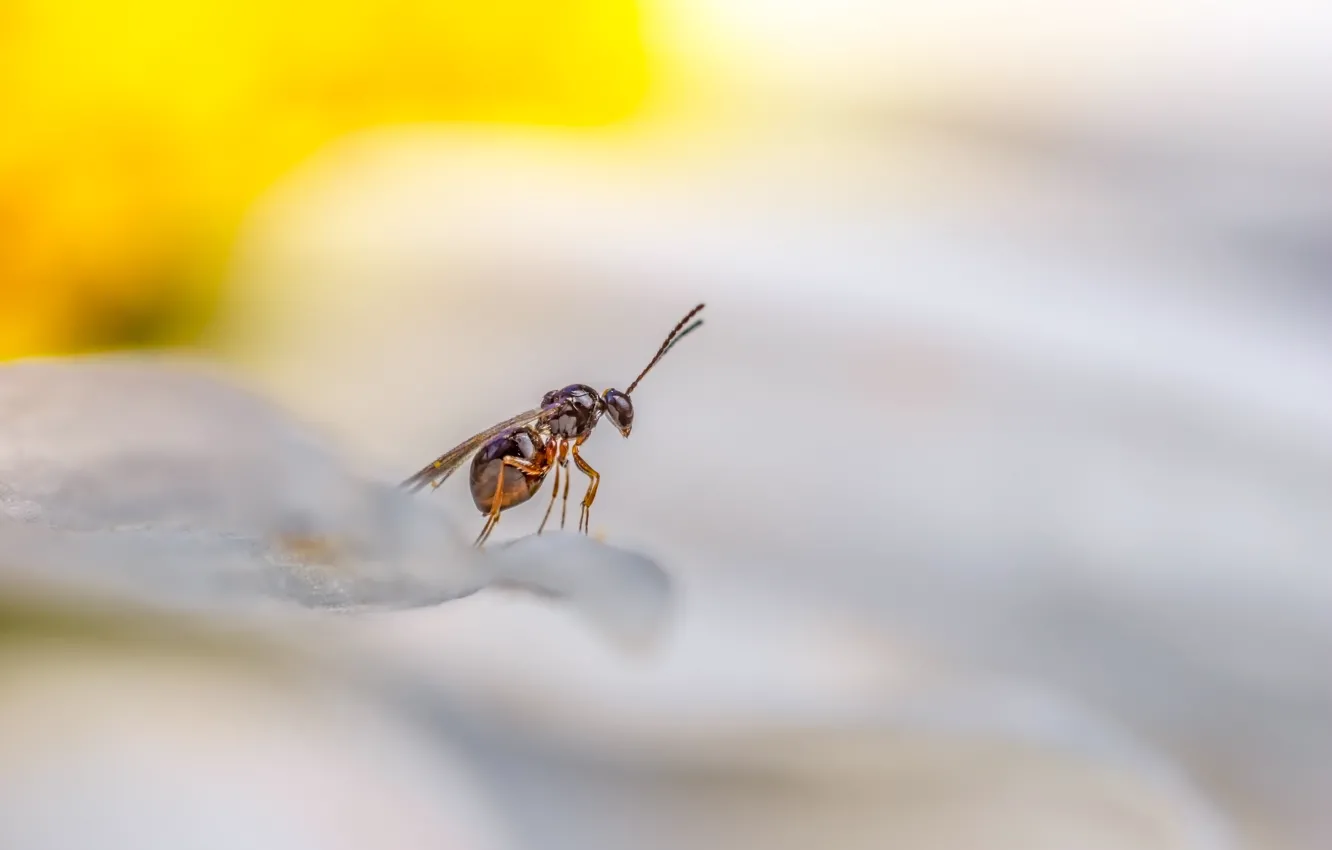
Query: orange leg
[[554, 491], [555, 488], [498, 504], [585, 518], [564, 509]]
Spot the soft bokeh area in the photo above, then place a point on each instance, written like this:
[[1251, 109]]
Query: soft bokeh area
[[138, 135], [988, 508]]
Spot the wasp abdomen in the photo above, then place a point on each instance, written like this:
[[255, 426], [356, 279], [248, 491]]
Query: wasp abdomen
[[519, 485]]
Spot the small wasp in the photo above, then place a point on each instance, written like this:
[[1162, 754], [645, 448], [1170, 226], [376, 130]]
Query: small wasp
[[512, 458]]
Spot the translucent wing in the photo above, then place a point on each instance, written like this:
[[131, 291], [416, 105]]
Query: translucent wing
[[446, 464]]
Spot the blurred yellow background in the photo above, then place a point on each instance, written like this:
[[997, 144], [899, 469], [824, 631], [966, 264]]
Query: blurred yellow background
[[138, 133]]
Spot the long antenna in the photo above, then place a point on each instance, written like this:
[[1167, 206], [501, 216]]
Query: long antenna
[[677, 333]]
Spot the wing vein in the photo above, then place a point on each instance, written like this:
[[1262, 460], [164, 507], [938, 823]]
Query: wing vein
[[439, 470]]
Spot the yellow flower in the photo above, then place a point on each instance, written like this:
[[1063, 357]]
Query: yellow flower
[[136, 133]]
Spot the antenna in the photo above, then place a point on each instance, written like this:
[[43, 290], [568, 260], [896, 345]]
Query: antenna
[[677, 333]]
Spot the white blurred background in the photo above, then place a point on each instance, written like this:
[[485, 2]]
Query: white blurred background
[[1016, 337]]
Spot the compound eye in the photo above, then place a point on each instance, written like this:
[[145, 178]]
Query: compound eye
[[620, 410]]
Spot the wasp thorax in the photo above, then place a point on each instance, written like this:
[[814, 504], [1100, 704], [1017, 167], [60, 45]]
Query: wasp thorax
[[574, 411], [619, 409]]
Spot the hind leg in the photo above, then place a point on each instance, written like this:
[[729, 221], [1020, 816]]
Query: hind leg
[[498, 504]]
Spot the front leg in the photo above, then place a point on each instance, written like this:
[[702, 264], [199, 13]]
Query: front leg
[[585, 518]]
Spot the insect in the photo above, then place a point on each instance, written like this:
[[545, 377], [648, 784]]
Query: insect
[[510, 460]]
